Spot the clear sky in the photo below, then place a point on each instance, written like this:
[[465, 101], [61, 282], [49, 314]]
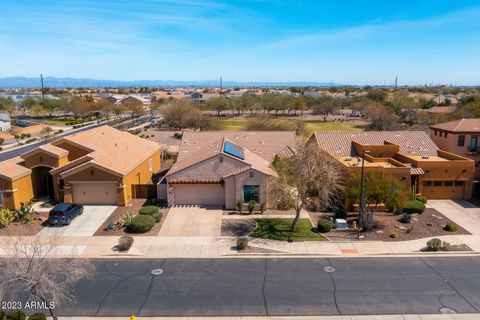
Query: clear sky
[[348, 41]]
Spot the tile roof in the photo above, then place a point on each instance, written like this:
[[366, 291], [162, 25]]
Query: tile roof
[[48, 148], [463, 125], [12, 169], [113, 149], [339, 144]]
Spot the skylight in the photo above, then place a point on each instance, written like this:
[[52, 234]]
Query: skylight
[[233, 150]]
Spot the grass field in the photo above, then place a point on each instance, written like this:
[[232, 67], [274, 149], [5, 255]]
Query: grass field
[[63, 122], [238, 124], [279, 229]]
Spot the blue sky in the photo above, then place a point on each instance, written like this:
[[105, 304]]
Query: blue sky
[[349, 41]]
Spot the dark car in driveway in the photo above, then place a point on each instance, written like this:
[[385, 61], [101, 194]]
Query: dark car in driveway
[[64, 213]]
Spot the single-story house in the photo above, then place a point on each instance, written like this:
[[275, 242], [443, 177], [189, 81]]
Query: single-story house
[[222, 168], [98, 166], [5, 122], [409, 156]]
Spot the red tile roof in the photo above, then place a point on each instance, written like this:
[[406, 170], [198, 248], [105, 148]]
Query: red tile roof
[[463, 125]]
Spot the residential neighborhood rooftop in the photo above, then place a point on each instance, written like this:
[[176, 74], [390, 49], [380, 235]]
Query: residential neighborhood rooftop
[[463, 125]]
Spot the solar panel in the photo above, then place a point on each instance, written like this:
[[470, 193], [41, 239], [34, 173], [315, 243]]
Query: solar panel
[[233, 150]]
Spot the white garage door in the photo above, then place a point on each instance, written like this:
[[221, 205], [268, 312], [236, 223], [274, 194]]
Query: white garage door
[[199, 194], [94, 193]]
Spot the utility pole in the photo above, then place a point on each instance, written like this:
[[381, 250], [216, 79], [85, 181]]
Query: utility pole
[[221, 89], [43, 91], [396, 82]]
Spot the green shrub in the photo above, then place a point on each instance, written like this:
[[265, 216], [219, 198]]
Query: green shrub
[[2, 140], [240, 206], [157, 216], [242, 243], [141, 224], [2, 315], [251, 206], [406, 218], [16, 315], [37, 316], [340, 213], [414, 206], [263, 206], [125, 220], [148, 210], [324, 225], [422, 199], [393, 235], [125, 243], [436, 244], [450, 227]]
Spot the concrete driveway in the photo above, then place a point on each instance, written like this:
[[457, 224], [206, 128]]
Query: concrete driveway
[[192, 221], [83, 225], [463, 213]]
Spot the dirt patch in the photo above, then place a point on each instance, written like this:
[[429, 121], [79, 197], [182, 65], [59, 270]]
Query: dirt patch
[[251, 249], [133, 206], [266, 212], [236, 227], [425, 225], [28, 229]]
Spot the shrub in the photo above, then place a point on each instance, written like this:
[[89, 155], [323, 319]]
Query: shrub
[[148, 210], [16, 315], [406, 218], [30, 140], [414, 206], [242, 243], [262, 207], [436, 244], [393, 235], [125, 243], [37, 316], [324, 225], [25, 214], [141, 224], [340, 213], [450, 227], [251, 206], [125, 220], [240, 206], [6, 217], [60, 131], [157, 216], [2, 140], [2, 315], [422, 199]]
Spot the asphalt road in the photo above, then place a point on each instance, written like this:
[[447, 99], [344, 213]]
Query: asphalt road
[[241, 287]]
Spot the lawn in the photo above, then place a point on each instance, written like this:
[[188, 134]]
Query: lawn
[[63, 122], [279, 229]]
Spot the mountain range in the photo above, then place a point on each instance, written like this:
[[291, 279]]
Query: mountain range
[[53, 82]]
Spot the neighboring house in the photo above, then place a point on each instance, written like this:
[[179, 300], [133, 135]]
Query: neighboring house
[[5, 122], [116, 98], [97, 166], [222, 168], [410, 156], [460, 137], [145, 100]]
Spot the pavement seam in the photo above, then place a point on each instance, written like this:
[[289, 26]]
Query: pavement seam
[[263, 287], [334, 286], [150, 286], [449, 284]]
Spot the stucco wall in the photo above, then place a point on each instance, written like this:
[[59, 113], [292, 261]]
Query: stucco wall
[[259, 179], [209, 168], [74, 152], [44, 159]]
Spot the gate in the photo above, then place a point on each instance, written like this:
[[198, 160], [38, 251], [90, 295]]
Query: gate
[[144, 191]]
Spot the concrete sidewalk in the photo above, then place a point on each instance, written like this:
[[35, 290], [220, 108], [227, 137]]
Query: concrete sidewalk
[[462, 212]]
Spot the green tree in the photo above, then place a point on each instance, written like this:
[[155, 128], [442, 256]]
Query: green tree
[[50, 106], [218, 104], [8, 104]]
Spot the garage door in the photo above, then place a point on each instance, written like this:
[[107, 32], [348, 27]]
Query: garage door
[[95, 193], [443, 190], [199, 194]]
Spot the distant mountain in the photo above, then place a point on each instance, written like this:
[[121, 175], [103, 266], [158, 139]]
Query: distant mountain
[[52, 82]]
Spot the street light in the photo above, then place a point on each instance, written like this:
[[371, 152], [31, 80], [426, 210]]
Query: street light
[[361, 209]]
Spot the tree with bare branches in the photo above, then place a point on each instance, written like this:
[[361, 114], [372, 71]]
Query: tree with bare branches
[[35, 265], [310, 179]]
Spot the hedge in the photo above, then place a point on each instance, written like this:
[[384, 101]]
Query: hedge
[[157, 216], [148, 210], [422, 199], [414, 206], [141, 224], [324, 225], [450, 227]]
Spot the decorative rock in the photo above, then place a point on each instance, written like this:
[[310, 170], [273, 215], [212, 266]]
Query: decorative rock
[[415, 219], [400, 227], [361, 237], [379, 232]]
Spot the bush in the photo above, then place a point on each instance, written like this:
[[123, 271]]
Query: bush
[[393, 235], [262, 207], [2, 315], [37, 316], [6, 217], [2, 140], [340, 213], [148, 210], [251, 206], [125, 220], [450, 227], [422, 199], [141, 224], [157, 216], [324, 225], [125, 243], [16, 315], [436, 244], [240, 206], [406, 218], [414, 206], [242, 243]]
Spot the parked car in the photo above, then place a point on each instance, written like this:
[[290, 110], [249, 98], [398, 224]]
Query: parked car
[[64, 213]]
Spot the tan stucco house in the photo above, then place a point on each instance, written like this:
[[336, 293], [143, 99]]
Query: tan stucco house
[[409, 156], [222, 168], [98, 166]]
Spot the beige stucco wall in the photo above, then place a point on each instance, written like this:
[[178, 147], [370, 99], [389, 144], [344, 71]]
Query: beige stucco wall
[[74, 152], [259, 179], [209, 168], [230, 193]]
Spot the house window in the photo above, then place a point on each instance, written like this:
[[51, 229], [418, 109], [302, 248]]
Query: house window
[[446, 134], [435, 131], [458, 183], [437, 184], [473, 144], [221, 159], [461, 141], [150, 165], [251, 193], [251, 174], [440, 133], [427, 184], [61, 183], [448, 183]]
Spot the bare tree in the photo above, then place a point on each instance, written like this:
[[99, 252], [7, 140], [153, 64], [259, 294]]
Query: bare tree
[[46, 133], [34, 265], [309, 179]]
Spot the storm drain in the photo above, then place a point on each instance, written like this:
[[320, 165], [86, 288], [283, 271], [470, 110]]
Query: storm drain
[[156, 272], [329, 269]]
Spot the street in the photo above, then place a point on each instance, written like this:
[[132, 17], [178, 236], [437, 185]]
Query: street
[[241, 287]]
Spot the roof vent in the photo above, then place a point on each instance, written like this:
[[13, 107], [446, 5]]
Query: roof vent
[[425, 157], [348, 159]]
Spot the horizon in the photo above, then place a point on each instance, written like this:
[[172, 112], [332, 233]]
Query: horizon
[[254, 41]]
